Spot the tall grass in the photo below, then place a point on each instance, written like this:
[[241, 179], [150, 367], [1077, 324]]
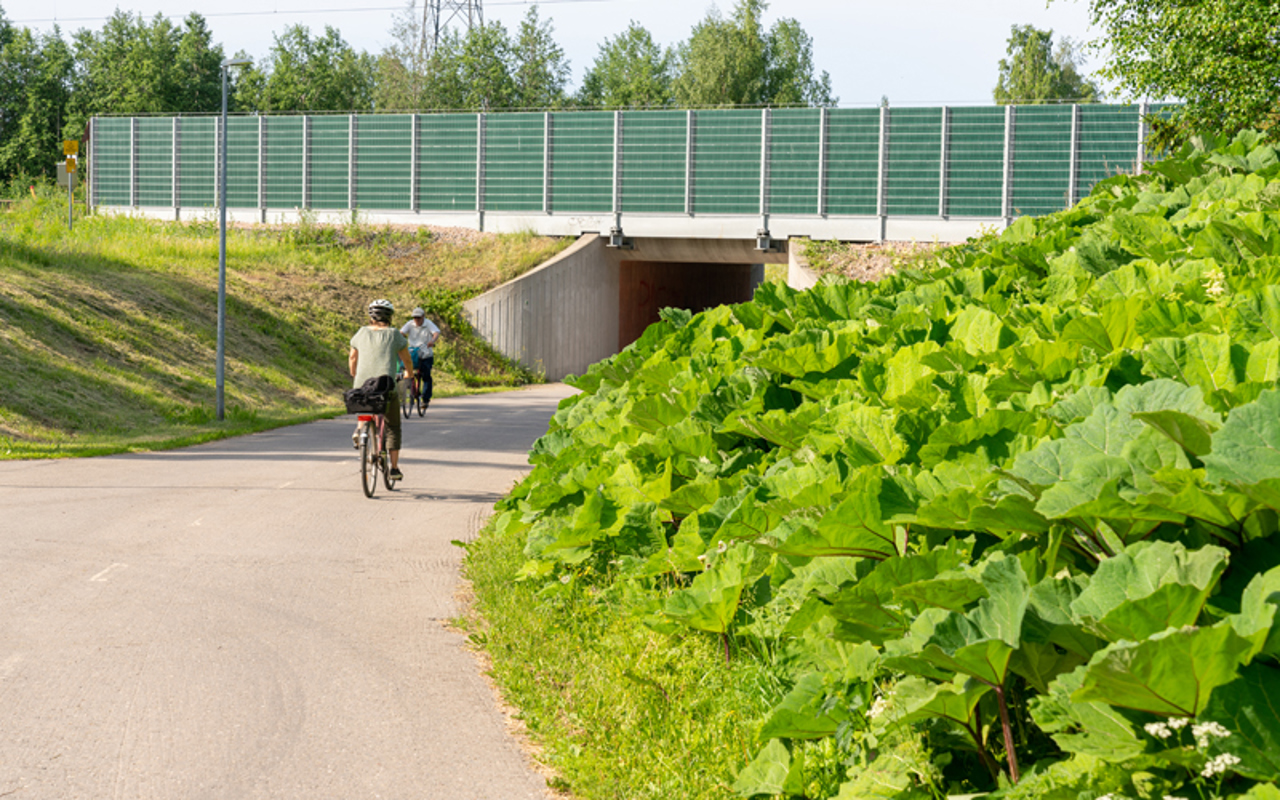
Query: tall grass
[[108, 333]]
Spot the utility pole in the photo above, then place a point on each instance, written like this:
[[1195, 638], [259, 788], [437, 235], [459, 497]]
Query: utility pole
[[439, 15]]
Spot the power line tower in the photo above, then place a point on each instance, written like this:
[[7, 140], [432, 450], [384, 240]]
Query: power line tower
[[439, 15]]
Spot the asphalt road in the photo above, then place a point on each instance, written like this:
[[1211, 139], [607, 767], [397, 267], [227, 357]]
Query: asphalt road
[[236, 620]]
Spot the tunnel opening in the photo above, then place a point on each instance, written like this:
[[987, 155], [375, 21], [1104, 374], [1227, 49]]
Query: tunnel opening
[[647, 287]]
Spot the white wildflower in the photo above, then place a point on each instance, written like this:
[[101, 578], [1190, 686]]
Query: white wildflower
[[1178, 723], [703, 559], [1215, 283], [880, 706], [1160, 730], [1219, 764], [1206, 731], [566, 578], [1171, 797], [872, 324], [720, 548]]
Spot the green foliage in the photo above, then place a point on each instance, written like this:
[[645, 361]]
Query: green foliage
[[1217, 56], [735, 61], [308, 73], [1037, 73], [630, 71], [1005, 523]]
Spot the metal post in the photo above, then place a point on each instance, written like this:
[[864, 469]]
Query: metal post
[[133, 162], [222, 252], [617, 169], [690, 120], [414, 133], [882, 173], [766, 121], [546, 162], [1143, 110], [480, 144], [89, 188], [1006, 185], [262, 168], [942, 162], [175, 195], [822, 162], [222, 239], [352, 197], [306, 162], [1073, 165], [71, 187]]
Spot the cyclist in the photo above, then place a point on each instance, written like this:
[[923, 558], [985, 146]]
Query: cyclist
[[374, 350], [422, 334]]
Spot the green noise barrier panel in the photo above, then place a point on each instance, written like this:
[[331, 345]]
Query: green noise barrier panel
[[1041, 159], [914, 162], [155, 161], [384, 162], [975, 159], [447, 152], [197, 162], [582, 162], [726, 162], [795, 138], [513, 178], [654, 162], [285, 152], [964, 162]]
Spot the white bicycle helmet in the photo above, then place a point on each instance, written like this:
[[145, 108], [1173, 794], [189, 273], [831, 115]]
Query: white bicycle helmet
[[381, 310]]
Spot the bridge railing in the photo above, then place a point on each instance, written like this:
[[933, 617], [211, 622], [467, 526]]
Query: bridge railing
[[989, 163]]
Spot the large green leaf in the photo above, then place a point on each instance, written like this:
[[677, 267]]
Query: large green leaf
[[855, 527], [1148, 588], [711, 602], [804, 712], [1247, 449], [771, 772], [1249, 708], [1171, 674], [1087, 727], [915, 698]]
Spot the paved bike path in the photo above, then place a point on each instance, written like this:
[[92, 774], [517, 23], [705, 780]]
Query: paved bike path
[[236, 620]]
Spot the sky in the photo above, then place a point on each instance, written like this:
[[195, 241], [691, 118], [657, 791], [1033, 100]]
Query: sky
[[914, 52]]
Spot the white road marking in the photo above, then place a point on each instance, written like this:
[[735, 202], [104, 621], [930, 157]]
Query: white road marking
[[102, 576]]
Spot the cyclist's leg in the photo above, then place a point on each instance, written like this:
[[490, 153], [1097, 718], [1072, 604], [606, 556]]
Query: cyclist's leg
[[427, 363], [393, 429]]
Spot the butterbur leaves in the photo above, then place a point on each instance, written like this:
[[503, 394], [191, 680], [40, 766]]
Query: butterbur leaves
[[1170, 674], [1249, 709], [711, 602]]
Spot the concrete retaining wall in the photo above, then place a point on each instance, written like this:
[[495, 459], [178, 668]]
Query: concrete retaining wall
[[564, 315], [559, 318]]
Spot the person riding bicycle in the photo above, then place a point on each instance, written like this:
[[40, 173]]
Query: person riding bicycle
[[422, 334], [374, 351]]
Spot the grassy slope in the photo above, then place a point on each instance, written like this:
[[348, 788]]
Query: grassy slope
[[108, 333]]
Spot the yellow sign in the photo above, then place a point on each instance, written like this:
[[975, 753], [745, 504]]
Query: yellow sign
[[70, 147], [71, 163]]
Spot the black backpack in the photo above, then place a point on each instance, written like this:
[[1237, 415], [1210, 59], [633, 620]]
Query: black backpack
[[370, 397]]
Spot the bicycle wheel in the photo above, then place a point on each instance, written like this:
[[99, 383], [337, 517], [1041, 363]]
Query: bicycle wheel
[[406, 399], [387, 480], [422, 403], [368, 463]]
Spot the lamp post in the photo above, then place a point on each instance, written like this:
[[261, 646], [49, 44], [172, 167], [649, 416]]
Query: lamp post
[[222, 235]]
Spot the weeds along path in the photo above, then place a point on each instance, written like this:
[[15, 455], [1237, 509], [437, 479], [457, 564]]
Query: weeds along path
[[236, 620]]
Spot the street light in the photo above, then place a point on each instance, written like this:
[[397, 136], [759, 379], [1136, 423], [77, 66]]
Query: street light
[[222, 234]]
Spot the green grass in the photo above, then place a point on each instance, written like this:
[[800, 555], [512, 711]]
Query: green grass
[[108, 332], [618, 711]]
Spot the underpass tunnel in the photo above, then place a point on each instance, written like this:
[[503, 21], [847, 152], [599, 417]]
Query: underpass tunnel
[[647, 287]]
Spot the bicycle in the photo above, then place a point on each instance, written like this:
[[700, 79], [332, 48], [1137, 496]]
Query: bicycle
[[373, 453], [412, 397]]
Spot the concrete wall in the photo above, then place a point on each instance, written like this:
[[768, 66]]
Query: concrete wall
[[567, 314], [559, 318]]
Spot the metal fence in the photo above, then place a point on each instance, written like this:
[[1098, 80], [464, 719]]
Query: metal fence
[[963, 162]]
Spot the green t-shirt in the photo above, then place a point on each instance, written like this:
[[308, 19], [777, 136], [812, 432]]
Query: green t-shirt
[[378, 350]]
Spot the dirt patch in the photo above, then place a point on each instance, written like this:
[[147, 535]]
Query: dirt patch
[[867, 261]]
